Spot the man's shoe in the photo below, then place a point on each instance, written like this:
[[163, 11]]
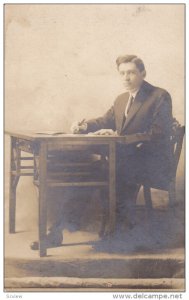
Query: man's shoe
[[54, 239], [34, 245]]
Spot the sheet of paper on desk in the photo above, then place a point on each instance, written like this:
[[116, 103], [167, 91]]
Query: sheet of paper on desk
[[57, 133], [53, 133], [49, 132]]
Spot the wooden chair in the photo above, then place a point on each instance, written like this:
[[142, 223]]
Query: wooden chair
[[176, 140]]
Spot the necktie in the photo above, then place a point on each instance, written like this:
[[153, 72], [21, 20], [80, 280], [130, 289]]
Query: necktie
[[129, 104]]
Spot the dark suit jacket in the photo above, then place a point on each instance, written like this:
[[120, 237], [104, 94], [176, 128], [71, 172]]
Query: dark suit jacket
[[150, 113]]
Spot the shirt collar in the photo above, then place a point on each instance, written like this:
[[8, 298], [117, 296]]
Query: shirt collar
[[133, 94]]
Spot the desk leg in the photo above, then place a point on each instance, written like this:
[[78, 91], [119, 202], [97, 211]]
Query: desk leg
[[112, 188], [14, 178], [42, 199]]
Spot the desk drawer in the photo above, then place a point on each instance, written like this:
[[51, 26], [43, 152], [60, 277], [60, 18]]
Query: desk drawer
[[25, 145]]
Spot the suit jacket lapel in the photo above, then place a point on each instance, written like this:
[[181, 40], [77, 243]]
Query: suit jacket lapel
[[121, 111], [140, 97]]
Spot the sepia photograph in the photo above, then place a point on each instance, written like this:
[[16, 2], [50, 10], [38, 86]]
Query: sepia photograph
[[94, 147]]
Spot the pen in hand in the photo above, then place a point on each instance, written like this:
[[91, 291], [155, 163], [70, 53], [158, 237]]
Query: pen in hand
[[78, 126], [82, 122]]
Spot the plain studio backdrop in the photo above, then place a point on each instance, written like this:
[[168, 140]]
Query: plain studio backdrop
[[60, 67]]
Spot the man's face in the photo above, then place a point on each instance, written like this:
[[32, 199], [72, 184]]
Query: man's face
[[131, 76]]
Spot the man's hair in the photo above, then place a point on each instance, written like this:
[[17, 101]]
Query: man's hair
[[131, 58]]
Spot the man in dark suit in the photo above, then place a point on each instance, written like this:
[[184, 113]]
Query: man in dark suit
[[143, 109]]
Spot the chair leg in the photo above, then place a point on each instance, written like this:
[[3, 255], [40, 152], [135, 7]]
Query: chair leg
[[132, 213], [147, 197], [148, 201], [172, 195]]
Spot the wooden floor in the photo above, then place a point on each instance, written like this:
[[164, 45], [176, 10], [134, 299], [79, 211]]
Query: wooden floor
[[148, 257]]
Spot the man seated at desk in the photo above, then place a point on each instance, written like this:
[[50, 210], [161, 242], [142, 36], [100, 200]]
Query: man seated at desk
[[145, 109]]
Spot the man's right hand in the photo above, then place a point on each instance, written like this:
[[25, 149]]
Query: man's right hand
[[78, 127]]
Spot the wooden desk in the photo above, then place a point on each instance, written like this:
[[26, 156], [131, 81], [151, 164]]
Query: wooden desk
[[38, 145]]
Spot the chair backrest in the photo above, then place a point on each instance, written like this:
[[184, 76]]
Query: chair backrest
[[176, 140]]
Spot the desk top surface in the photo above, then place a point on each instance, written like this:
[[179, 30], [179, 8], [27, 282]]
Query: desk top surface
[[59, 136], [55, 135]]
